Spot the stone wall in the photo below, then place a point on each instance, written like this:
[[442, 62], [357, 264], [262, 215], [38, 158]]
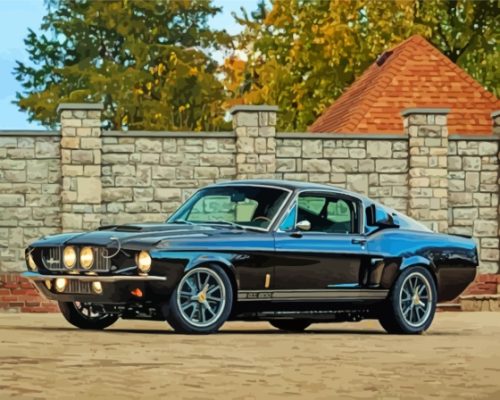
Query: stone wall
[[30, 207], [376, 166], [80, 177], [145, 177]]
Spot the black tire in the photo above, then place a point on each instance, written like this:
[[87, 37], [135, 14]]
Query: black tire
[[290, 325], [197, 322], [415, 318], [75, 317]]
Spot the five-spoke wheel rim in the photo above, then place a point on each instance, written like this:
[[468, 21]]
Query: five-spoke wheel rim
[[415, 299], [201, 297], [88, 311]]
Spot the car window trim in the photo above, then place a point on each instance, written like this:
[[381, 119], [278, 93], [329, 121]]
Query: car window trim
[[278, 212], [358, 202]]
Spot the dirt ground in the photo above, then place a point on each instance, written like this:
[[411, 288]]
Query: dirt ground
[[42, 357]]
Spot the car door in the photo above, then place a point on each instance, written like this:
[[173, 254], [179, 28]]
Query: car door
[[327, 256]]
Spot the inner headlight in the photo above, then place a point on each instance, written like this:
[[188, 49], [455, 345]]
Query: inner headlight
[[31, 262], [143, 261], [86, 257], [69, 257]]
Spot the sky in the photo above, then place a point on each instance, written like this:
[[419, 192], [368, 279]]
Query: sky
[[17, 16]]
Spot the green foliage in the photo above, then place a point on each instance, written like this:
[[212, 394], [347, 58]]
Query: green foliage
[[305, 53], [149, 61], [146, 60]]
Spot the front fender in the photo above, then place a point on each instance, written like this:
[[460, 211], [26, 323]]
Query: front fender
[[210, 258]]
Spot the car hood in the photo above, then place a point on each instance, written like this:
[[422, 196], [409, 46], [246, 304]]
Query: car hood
[[135, 236]]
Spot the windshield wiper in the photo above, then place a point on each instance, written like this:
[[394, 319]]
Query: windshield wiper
[[183, 221], [229, 223]]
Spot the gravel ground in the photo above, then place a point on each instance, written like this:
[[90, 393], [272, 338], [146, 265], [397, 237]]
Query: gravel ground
[[42, 357]]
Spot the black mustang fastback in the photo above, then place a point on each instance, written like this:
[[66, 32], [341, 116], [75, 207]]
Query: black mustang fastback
[[290, 253]]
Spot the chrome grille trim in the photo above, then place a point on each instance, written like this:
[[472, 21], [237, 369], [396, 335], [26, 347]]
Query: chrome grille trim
[[54, 261], [101, 261], [79, 287]]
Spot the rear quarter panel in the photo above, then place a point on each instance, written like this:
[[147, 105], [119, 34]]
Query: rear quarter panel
[[452, 259]]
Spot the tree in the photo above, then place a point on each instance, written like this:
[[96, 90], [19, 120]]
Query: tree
[[303, 54], [148, 61]]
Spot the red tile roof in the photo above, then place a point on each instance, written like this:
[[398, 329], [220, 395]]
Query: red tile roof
[[413, 74]]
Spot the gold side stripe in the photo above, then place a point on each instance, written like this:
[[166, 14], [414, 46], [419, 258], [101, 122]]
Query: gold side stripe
[[312, 294]]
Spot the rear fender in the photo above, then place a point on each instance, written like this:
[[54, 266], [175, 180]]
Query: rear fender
[[391, 271]]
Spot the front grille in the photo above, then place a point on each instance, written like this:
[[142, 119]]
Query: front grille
[[52, 258], [78, 287]]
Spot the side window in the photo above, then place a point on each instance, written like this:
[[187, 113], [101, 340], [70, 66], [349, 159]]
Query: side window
[[339, 211], [328, 214]]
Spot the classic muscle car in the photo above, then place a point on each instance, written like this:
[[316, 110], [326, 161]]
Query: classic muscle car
[[290, 253]]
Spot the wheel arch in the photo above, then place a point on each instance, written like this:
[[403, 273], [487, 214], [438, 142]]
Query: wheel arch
[[226, 265], [419, 261]]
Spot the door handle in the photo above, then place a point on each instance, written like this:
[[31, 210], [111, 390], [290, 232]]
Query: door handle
[[296, 234], [361, 242]]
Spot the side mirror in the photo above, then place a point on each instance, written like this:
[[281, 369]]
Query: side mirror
[[303, 225], [377, 216]]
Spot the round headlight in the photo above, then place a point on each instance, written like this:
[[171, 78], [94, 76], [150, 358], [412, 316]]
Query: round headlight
[[31, 262], [97, 287], [69, 257], [143, 262], [86, 258], [60, 284]]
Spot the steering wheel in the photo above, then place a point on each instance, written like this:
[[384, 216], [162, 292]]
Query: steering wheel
[[262, 218]]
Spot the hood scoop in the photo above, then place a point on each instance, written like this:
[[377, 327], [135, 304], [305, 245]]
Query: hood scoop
[[147, 227]]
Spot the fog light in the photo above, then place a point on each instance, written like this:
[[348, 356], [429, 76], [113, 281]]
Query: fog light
[[31, 262], [69, 257], [48, 284], [143, 261], [60, 284], [97, 287], [86, 258]]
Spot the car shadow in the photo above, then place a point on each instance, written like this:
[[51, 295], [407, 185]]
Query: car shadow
[[228, 332]]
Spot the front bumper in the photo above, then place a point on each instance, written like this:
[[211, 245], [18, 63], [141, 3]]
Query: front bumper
[[116, 289]]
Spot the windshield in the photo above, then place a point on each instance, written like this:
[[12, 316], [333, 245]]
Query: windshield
[[238, 206]]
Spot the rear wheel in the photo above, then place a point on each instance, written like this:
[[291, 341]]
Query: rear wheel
[[411, 305], [202, 301], [290, 325], [86, 315]]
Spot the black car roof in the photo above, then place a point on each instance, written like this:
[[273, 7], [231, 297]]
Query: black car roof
[[286, 184]]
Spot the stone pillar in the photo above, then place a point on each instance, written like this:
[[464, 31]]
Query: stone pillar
[[81, 146], [255, 128], [427, 129], [495, 116]]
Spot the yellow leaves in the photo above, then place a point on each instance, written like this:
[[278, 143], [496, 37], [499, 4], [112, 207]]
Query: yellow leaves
[[138, 91], [161, 69], [184, 107], [124, 120], [173, 58], [149, 86], [193, 71]]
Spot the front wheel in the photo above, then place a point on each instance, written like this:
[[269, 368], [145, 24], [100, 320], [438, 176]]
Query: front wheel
[[290, 325], [201, 302], [411, 305], [86, 315]]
